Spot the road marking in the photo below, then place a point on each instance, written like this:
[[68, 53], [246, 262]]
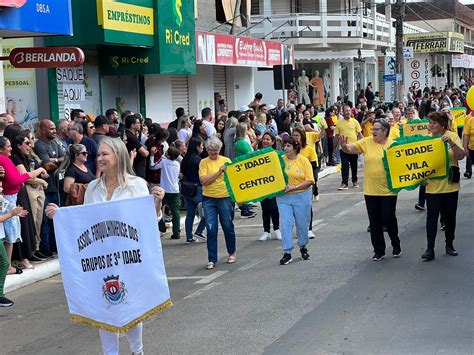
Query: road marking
[[342, 213], [322, 225], [202, 290], [212, 277], [249, 226], [173, 278], [251, 265], [317, 221], [359, 203]]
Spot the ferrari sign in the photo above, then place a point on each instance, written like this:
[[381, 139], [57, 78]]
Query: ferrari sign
[[46, 57]]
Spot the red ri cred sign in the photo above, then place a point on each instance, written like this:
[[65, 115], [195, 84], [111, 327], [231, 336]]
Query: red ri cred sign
[[46, 57]]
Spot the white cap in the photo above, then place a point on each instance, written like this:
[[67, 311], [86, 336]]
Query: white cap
[[244, 108], [271, 107]]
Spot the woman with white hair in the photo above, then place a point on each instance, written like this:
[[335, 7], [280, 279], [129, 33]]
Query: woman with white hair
[[216, 202], [118, 182]]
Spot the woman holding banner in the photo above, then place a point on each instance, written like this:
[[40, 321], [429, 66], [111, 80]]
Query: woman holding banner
[[216, 202], [295, 204], [442, 194], [380, 201], [117, 182]]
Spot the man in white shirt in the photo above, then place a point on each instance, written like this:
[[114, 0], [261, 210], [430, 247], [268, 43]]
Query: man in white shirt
[[206, 115]]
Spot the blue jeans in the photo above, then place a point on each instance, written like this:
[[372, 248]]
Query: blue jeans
[[191, 206], [224, 209], [294, 207], [48, 240]]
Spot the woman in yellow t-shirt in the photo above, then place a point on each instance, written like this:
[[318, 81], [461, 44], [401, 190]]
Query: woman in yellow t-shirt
[[309, 152], [394, 127], [442, 194], [216, 202], [295, 204], [380, 201]]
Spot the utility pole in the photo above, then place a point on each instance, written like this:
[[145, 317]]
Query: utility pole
[[399, 15]]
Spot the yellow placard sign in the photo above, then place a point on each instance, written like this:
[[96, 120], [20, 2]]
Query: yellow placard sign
[[459, 114], [123, 17], [256, 176], [411, 160], [414, 127]]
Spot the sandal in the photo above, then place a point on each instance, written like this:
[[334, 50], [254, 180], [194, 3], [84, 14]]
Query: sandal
[[210, 265], [232, 259], [17, 272]]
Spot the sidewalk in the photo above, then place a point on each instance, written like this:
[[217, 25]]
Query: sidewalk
[[50, 268]]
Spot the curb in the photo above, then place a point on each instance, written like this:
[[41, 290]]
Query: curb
[[50, 268]]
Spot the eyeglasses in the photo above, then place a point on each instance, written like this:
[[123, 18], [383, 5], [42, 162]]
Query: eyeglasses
[[71, 129], [83, 153], [91, 127], [27, 142]]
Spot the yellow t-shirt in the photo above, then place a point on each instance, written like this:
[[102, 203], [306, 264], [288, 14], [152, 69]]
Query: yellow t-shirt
[[312, 138], [454, 126], [436, 186], [207, 167], [469, 131], [335, 119], [310, 153], [394, 131], [375, 177], [367, 130], [298, 170], [348, 128]]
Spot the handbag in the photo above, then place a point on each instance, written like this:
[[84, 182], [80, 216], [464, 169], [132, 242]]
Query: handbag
[[454, 174], [189, 188]]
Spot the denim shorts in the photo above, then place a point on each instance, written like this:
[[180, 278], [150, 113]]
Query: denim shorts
[[11, 226]]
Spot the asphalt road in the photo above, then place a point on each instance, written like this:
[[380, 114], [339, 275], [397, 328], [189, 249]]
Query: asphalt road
[[339, 302]]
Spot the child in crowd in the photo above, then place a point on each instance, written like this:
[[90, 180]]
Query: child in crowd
[[170, 183]]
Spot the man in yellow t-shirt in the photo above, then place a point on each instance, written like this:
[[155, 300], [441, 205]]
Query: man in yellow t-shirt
[[348, 128], [367, 122]]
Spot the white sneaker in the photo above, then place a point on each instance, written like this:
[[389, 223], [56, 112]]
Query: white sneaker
[[265, 236], [278, 234], [311, 235]]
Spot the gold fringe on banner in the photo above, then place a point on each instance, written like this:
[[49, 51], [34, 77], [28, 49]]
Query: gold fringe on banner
[[110, 328]]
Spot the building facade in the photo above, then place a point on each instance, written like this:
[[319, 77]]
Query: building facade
[[19, 88], [339, 41]]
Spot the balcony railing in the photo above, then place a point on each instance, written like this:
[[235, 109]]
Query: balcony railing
[[328, 29]]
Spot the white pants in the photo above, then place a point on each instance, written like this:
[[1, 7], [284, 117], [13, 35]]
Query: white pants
[[110, 341]]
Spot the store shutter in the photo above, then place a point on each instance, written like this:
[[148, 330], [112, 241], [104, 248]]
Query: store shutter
[[220, 81], [180, 92]]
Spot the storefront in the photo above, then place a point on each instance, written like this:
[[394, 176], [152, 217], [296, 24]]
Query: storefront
[[133, 49], [229, 66], [19, 87], [463, 67], [431, 65], [344, 73]]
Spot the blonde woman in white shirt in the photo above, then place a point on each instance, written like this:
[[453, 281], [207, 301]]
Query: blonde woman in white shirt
[[118, 182]]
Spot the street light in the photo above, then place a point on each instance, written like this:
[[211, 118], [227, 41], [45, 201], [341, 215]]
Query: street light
[[297, 33], [276, 29], [258, 23]]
